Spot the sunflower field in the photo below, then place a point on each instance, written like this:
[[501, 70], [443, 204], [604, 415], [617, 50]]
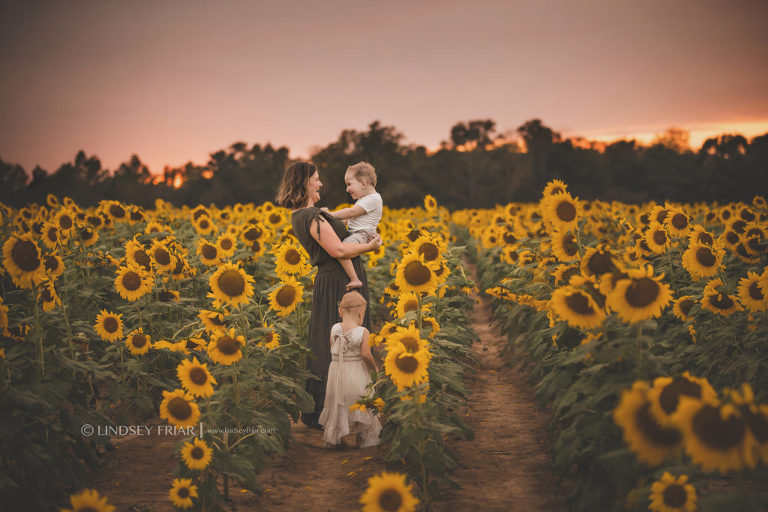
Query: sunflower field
[[646, 334], [196, 317]]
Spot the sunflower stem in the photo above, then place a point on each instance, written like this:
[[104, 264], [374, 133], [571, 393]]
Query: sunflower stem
[[39, 333], [638, 362]]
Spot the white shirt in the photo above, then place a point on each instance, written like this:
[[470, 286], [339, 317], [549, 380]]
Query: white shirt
[[374, 207]]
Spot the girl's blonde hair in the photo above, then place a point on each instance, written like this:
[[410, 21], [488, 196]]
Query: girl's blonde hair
[[352, 300], [363, 171]]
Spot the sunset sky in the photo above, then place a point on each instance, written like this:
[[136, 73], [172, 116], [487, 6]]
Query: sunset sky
[[173, 81]]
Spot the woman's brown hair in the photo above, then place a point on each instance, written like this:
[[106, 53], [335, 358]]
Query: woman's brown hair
[[292, 192]]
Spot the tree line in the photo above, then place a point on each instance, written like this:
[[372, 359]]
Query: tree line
[[476, 168]]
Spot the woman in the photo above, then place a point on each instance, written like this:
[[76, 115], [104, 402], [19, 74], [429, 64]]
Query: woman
[[321, 236]]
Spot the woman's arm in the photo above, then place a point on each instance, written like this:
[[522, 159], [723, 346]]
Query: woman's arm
[[365, 352], [335, 248]]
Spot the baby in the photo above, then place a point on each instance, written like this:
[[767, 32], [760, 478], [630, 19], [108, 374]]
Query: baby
[[364, 216]]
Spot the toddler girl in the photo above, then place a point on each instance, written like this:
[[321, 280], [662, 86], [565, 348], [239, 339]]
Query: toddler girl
[[348, 377]]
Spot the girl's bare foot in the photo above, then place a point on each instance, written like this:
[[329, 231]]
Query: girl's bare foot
[[355, 283]]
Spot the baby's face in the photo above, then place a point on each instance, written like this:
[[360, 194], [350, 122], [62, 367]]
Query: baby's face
[[354, 186]]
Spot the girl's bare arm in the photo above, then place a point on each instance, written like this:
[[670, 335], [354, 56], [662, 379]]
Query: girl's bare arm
[[365, 352]]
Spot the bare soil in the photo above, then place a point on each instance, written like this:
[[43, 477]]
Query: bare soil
[[506, 468]]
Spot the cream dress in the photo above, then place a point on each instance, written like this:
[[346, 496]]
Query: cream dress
[[347, 379]]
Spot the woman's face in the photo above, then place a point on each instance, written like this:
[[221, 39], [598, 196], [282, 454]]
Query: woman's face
[[313, 187]]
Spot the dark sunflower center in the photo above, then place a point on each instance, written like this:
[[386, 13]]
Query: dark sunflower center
[[226, 244], [110, 324], [390, 499], [569, 245], [227, 345], [183, 492], [131, 281], [231, 283], [721, 301], [136, 215], [600, 263], [292, 257], [416, 274], [661, 216], [754, 292], [732, 237], [138, 340], [411, 344], [670, 395], [747, 215], [45, 293], [738, 226], [509, 237], [204, 224], [679, 221], [667, 437], [85, 233], [685, 306], [716, 433], [570, 271], [579, 304], [407, 364], [706, 238], [52, 234], [675, 496], [704, 257], [65, 221], [410, 305], [565, 211], [197, 453], [659, 237], [217, 319], [166, 296], [198, 376], [275, 218], [162, 257], [642, 292], [429, 251], [758, 425], [142, 258], [255, 246], [252, 234], [209, 252], [286, 296], [199, 213], [93, 220], [51, 264], [25, 255], [117, 211]]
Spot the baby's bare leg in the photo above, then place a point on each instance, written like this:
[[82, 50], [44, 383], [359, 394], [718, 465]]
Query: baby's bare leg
[[349, 269]]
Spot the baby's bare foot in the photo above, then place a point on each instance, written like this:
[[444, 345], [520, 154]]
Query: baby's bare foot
[[355, 283]]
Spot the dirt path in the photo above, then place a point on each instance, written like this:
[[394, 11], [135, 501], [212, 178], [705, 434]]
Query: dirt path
[[507, 467]]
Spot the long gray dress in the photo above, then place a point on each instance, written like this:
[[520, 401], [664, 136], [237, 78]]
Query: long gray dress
[[329, 288]]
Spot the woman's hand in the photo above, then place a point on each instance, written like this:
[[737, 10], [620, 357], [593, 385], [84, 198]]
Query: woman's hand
[[374, 243]]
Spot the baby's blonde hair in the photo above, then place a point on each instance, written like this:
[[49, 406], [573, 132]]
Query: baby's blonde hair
[[363, 170], [352, 300]]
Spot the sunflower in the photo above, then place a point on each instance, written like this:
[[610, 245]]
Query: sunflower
[[554, 187], [182, 491], [286, 296], [672, 494], [430, 204], [563, 273], [87, 235], [718, 302], [109, 326], [410, 338], [3, 316], [50, 235], [682, 306], [751, 294], [656, 238], [577, 308], [195, 378], [23, 261], [290, 260], [47, 294], [429, 246], [408, 302], [509, 254], [406, 368], [640, 296], [88, 501], [646, 437], [161, 257], [226, 243], [431, 324], [388, 492], [699, 235], [274, 219], [597, 261], [64, 219], [132, 282], [703, 260], [716, 435], [197, 454], [225, 347], [254, 233], [231, 284], [564, 246], [213, 320], [203, 225], [208, 252], [666, 392], [414, 274], [136, 254], [561, 211], [179, 408], [138, 342], [270, 339]]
